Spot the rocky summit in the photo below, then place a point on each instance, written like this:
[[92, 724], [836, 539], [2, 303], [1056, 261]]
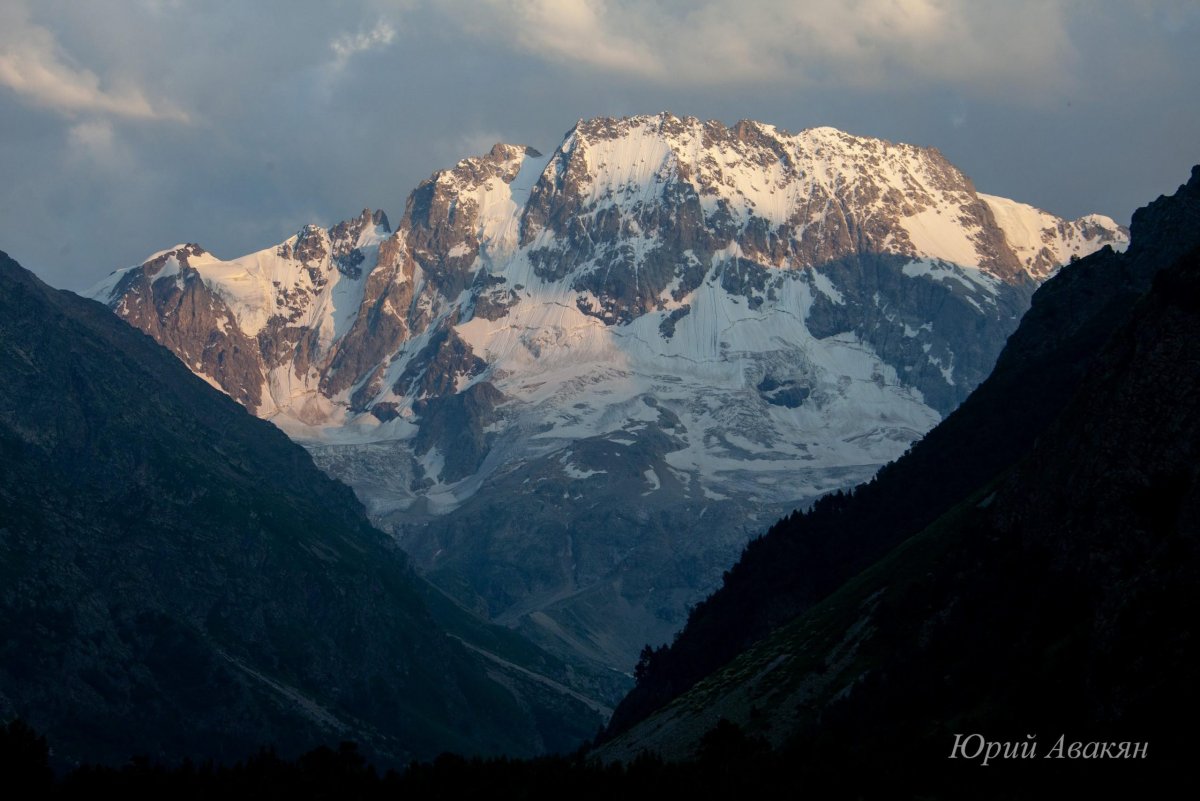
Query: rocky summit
[[574, 384]]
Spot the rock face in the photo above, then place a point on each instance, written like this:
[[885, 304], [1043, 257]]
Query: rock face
[[574, 384]]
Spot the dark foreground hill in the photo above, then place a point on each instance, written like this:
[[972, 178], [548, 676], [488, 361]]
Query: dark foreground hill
[[178, 579], [1055, 598]]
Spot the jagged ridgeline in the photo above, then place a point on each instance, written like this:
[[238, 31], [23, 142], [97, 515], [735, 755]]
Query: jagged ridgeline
[[177, 578], [575, 381], [1027, 570]]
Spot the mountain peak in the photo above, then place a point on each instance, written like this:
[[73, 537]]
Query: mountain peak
[[380, 219], [829, 296], [502, 151], [1164, 214]]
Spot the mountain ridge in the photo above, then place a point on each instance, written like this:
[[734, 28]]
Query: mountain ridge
[[661, 319]]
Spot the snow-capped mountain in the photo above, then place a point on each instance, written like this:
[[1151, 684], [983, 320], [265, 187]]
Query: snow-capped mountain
[[575, 383]]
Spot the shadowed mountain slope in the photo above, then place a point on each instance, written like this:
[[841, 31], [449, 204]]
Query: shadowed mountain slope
[[178, 578]]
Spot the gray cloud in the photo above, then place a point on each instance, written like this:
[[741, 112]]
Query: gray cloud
[[346, 46], [232, 124], [35, 68], [1019, 45]]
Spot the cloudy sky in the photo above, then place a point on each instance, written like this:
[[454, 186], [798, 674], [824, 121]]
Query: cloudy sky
[[127, 126]]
